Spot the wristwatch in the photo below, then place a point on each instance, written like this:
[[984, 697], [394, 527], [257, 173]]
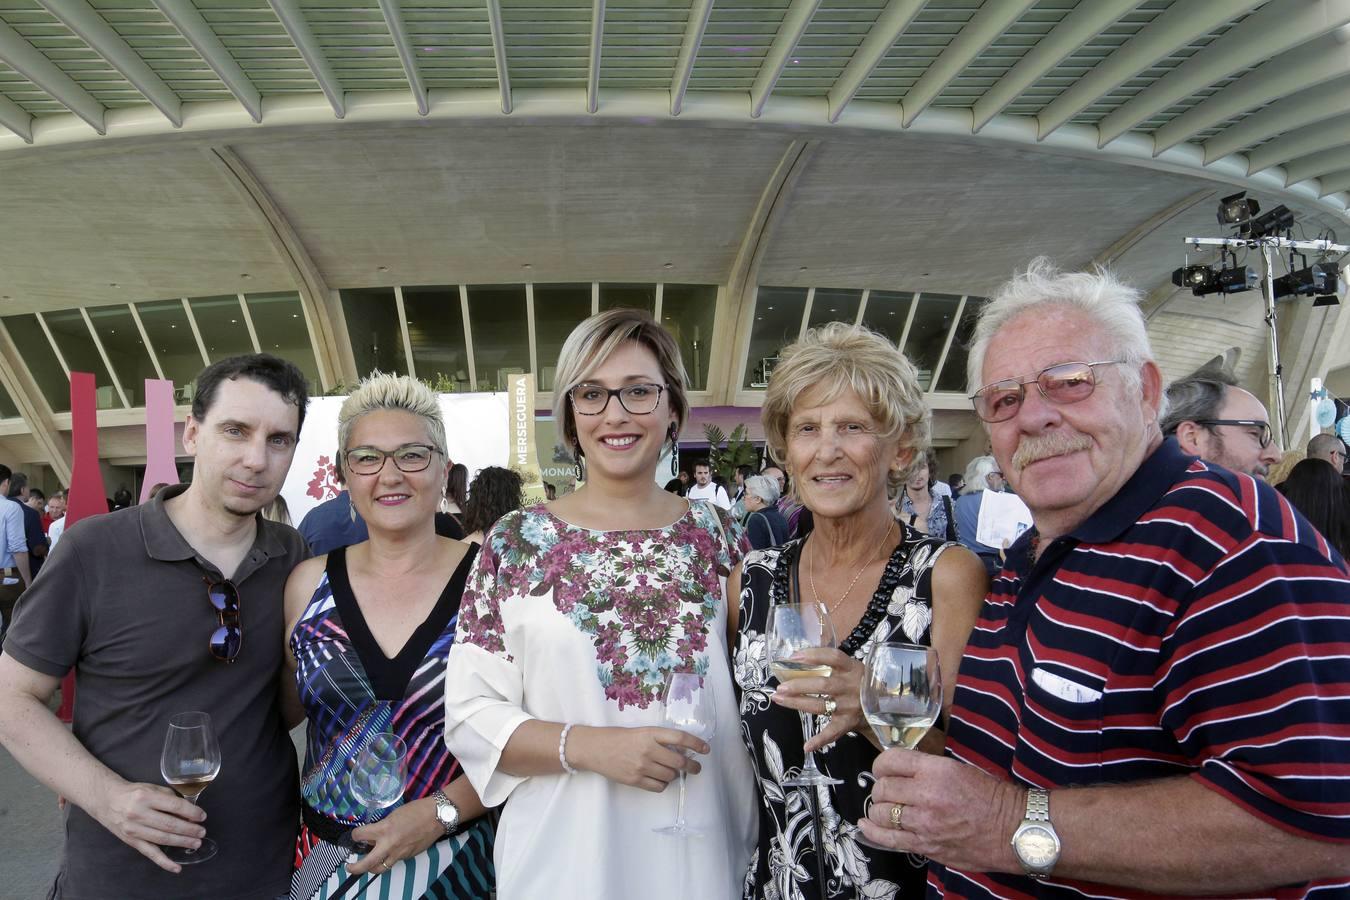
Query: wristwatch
[[1035, 841], [447, 813]]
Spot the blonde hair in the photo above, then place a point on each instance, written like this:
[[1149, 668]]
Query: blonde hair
[[836, 358], [595, 340], [383, 391]]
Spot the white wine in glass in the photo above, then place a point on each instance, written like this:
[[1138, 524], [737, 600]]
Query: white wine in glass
[[689, 707], [901, 693], [190, 761], [380, 771], [791, 628]]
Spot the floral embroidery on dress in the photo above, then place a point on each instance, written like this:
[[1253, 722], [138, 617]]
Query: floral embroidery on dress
[[645, 598]]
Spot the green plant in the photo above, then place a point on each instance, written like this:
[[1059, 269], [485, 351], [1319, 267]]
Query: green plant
[[726, 452]]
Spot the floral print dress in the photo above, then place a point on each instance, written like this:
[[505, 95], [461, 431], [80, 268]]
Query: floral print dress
[[567, 624], [785, 866]]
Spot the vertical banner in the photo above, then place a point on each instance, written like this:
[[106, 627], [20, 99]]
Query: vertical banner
[[524, 456], [86, 496], [160, 443]]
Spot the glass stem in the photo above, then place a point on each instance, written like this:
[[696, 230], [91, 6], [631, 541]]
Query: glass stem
[[808, 732], [679, 816]]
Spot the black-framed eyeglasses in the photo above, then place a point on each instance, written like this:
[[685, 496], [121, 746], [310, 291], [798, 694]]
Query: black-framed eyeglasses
[[1061, 384], [229, 637], [370, 460], [637, 399], [1263, 434]]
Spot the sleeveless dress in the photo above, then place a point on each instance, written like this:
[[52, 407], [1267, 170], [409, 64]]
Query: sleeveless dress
[[785, 866], [351, 691]]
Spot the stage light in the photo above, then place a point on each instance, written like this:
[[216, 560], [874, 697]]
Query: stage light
[[1320, 278], [1205, 280], [1237, 208], [1193, 276], [1278, 220]]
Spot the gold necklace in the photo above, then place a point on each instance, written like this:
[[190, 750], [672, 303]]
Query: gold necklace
[[811, 575]]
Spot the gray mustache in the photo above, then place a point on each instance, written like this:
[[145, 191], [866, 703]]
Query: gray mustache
[[1044, 446]]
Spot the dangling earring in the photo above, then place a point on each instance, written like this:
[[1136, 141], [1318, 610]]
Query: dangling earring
[[581, 464], [351, 507], [674, 450]]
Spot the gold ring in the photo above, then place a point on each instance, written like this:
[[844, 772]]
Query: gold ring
[[387, 865], [830, 706], [898, 813]]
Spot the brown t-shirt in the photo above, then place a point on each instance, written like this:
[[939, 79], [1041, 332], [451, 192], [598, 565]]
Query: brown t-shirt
[[122, 600]]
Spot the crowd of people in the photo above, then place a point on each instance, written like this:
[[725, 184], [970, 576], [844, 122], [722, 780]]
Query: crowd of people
[[1145, 694]]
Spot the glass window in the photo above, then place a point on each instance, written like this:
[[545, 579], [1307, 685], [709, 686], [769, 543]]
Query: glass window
[[171, 337], [688, 310], [558, 308], [81, 354], [222, 326], [7, 408], [41, 361], [372, 325], [116, 329], [887, 312], [630, 296], [778, 321], [932, 320], [436, 332], [834, 305], [279, 320], [953, 377], [501, 339]]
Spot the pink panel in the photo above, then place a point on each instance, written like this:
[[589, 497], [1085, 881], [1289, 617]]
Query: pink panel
[[160, 443]]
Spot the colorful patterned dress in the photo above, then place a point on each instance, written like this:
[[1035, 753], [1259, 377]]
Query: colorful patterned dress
[[785, 867], [567, 624], [351, 691]]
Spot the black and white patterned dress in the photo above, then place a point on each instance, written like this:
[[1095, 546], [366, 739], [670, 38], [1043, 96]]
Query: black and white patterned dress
[[784, 866]]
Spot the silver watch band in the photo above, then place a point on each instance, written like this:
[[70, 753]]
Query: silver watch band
[[1038, 805]]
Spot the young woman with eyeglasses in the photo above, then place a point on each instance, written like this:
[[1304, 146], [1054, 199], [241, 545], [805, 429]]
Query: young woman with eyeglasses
[[578, 613], [371, 625]]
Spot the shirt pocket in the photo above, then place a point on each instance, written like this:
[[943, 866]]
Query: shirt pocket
[[1061, 722]]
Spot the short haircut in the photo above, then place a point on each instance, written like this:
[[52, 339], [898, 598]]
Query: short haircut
[[1109, 302], [702, 464], [1320, 446], [17, 482], [400, 393], [595, 340], [834, 358], [1196, 397], [36, 492], [745, 471], [494, 493], [763, 487], [5, 473], [270, 371], [976, 470]]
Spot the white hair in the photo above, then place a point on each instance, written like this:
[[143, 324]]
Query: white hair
[[1099, 295], [976, 470], [763, 487]]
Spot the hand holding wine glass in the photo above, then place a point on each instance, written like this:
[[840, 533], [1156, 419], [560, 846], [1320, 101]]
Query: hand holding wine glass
[[189, 762], [378, 776], [901, 693], [689, 707], [792, 628]]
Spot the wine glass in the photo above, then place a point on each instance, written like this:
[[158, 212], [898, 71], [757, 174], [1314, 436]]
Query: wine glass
[[378, 776], [793, 627], [690, 707], [190, 761], [901, 696]]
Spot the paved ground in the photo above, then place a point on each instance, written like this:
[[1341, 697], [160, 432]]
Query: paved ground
[[31, 830]]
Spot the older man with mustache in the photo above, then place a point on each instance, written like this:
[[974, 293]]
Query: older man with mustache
[[1154, 698]]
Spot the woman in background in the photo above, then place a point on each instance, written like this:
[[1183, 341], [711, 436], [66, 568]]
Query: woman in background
[[982, 475], [1318, 491], [922, 506], [577, 613], [764, 524], [494, 493]]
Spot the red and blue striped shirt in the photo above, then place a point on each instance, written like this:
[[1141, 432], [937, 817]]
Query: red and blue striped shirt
[[1194, 625]]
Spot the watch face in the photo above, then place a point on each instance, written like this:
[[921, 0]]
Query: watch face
[[1037, 846]]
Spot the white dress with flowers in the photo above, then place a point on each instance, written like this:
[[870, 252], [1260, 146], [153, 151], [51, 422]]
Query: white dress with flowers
[[567, 624]]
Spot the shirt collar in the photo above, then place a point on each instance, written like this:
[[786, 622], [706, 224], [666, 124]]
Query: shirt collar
[[164, 542], [1154, 477]]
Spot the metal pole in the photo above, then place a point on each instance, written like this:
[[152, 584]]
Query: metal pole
[[1276, 370]]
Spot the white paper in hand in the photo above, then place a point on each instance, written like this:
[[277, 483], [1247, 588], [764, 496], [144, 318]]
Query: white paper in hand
[[1003, 518]]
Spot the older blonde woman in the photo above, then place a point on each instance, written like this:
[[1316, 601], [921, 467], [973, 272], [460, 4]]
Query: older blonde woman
[[845, 417], [371, 626], [578, 612]]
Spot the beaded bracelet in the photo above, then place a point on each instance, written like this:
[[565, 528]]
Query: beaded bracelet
[[562, 750]]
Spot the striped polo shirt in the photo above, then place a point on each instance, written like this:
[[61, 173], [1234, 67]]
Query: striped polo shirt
[[1194, 625]]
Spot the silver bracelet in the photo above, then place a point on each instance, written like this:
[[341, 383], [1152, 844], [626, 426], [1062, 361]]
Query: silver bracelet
[[562, 750]]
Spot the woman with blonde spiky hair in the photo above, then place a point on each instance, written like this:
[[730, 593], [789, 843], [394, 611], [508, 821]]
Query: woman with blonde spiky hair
[[371, 626]]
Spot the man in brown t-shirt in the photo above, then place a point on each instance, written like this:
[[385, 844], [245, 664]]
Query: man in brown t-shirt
[[124, 602]]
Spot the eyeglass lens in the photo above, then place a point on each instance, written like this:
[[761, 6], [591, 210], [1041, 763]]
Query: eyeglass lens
[[1065, 383]]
